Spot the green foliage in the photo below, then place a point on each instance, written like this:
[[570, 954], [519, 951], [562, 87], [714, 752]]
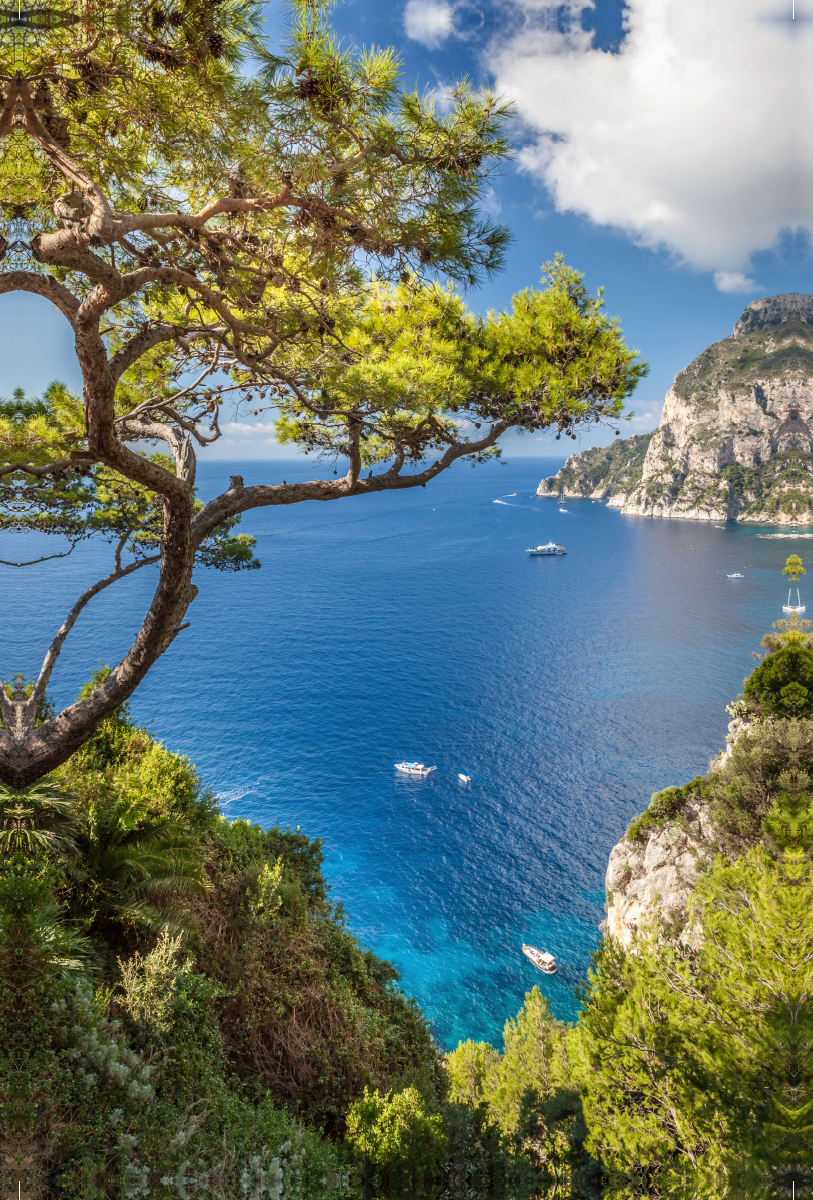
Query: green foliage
[[664, 806], [399, 1144], [418, 362], [530, 1097], [698, 1067], [793, 567], [783, 683], [307, 1015]]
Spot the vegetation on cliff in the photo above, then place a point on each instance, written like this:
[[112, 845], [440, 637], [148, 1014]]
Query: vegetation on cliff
[[601, 470], [185, 1012], [735, 440], [688, 1073]]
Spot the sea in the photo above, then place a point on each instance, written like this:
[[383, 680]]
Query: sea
[[414, 625]]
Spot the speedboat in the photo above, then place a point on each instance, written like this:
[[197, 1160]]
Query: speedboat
[[548, 548], [736, 575], [540, 958], [464, 778], [413, 768]]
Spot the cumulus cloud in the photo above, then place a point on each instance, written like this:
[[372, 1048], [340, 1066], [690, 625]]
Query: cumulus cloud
[[734, 281], [695, 136], [429, 22]]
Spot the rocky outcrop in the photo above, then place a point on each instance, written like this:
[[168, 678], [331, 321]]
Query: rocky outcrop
[[653, 876], [735, 440]]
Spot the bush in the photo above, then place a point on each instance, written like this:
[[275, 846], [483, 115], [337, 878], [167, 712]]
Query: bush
[[664, 806], [782, 685]]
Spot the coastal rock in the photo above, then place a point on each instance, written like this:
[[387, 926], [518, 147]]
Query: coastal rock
[[654, 877], [735, 440], [654, 874]]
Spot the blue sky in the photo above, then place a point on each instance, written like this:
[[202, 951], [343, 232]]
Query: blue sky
[[663, 147]]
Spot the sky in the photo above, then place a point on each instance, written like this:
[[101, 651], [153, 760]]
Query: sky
[[663, 146]]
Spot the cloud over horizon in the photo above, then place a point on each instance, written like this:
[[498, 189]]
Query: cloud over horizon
[[694, 136]]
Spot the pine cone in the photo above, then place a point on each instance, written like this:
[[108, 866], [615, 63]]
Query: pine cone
[[69, 89], [175, 19], [217, 45], [158, 18], [307, 88], [302, 219], [339, 181], [94, 76], [169, 59], [58, 129]]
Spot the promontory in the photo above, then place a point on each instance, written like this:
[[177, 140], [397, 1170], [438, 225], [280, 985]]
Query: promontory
[[735, 440]]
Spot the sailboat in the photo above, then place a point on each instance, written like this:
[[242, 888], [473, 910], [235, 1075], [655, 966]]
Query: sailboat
[[561, 500], [795, 609]]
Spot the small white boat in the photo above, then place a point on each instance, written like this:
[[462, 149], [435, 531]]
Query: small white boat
[[413, 768], [796, 609], [540, 958], [736, 575], [464, 778], [548, 548]]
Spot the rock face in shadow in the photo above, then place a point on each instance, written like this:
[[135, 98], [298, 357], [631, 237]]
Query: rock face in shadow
[[735, 440]]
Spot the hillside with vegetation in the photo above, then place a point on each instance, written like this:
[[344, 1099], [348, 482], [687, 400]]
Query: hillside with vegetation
[[186, 1013], [601, 471], [735, 441]]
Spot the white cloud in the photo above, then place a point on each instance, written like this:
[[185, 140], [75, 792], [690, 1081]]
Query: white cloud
[[491, 203], [695, 136], [429, 22], [734, 281]]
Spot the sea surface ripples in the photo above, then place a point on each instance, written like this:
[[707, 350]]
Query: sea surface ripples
[[416, 626]]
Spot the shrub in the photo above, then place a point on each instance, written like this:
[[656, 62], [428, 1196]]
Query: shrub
[[664, 806], [782, 685]]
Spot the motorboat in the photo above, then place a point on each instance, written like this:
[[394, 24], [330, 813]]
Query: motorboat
[[540, 958], [414, 768], [736, 575], [464, 778], [548, 548]]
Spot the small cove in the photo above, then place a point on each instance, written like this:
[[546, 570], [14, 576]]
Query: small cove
[[415, 625]]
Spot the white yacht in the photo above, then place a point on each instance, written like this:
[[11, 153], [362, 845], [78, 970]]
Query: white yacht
[[540, 958], [463, 778], [414, 768], [736, 575], [548, 548]]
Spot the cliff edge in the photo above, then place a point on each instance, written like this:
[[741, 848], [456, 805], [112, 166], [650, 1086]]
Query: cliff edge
[[735, 440]]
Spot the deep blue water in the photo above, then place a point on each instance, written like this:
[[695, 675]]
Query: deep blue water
[[415, 625]]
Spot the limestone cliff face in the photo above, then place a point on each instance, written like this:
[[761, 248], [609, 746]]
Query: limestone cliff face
[[654, 876], [735, 440]]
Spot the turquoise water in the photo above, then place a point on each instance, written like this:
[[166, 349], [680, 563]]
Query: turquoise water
[[415, 625]]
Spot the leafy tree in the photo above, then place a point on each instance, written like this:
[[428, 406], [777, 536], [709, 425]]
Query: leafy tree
[[793, 567], [399, 1143], [529, 1095], [783, 684], [697, 1071], [133, 869], [221, 225]]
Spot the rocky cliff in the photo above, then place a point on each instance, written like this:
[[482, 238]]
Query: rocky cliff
[[653, 875], [652, 871], [735, 440]]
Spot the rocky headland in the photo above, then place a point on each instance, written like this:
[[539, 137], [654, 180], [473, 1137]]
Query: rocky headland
[[653, 869], [735, 440]]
